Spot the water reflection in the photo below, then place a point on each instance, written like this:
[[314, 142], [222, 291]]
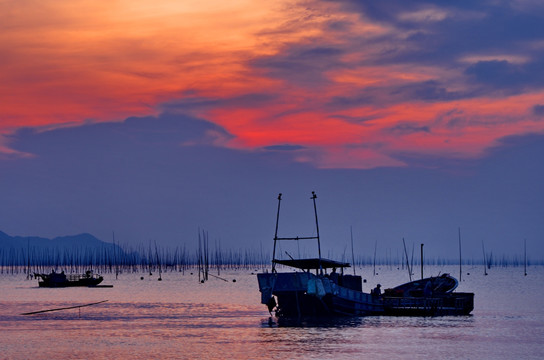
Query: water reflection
[[324, 322], [374, 336], [371, 321], [420, 322]]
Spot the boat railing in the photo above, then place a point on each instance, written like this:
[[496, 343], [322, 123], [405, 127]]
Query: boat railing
[[413, 302]]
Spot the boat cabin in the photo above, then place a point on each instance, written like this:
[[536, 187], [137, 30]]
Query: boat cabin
[[353, 282]]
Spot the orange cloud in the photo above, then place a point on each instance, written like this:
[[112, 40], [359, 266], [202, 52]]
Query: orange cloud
[[67, 63]]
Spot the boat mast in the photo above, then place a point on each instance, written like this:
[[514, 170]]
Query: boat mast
[[314, 196], [352, 252], [407, 263], [276, 238], [276, 234]]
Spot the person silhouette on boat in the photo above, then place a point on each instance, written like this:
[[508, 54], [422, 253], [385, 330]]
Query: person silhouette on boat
[[377, 291]]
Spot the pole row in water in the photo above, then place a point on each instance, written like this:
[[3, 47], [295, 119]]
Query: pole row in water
[[114, 258]]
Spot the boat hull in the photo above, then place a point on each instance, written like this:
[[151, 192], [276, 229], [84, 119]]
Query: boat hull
[[85, 282], [440, 305], [59, 280], [432, 296], [442, 284], [302, 294]]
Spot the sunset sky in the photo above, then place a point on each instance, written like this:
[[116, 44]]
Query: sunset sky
[[154, 118]]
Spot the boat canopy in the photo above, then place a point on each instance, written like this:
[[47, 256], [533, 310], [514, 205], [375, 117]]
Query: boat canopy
[[307, 264]]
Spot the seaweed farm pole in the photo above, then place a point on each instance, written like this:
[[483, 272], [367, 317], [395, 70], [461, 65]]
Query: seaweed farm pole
[[407, 263], [460, 256], [115, 256], [375, 249], [199, 256], [158, 261], [483, 249], [28, 260], [205, 247], [261, 260], [218, 257], [525, 256], [149, 259], [352, 253]]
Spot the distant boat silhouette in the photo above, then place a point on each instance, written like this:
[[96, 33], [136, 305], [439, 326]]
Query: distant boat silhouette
[[55, 279]]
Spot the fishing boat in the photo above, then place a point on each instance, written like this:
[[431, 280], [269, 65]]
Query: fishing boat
[[315, 287], [318, 287], [55, 279], [432, 296]]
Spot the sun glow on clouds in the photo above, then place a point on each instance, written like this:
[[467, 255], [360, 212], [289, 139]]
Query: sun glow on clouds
[[109, 60], [344, 89]]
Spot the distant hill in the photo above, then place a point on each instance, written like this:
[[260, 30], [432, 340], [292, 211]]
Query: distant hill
[[61, 242], [14, 249]]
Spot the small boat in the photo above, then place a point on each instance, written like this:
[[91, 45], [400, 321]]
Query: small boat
[[55, 279], [442, 284], [313, 290], [432, 296]]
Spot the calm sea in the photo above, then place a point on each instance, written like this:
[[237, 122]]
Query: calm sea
[[179, 318]]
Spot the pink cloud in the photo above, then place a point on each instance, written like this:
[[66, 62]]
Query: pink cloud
[[339, 85]]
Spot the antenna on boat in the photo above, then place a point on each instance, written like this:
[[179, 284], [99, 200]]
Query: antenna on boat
[[276, 234], [314, 196]]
